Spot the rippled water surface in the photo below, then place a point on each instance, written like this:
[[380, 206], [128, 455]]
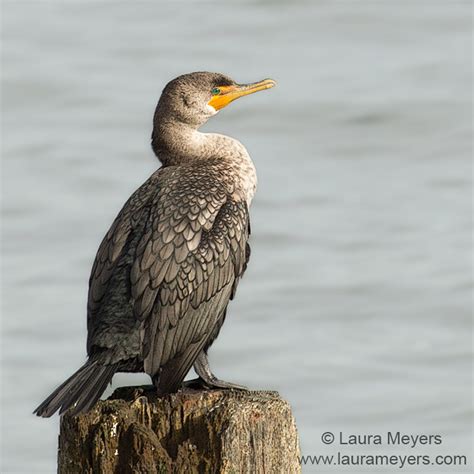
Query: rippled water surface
[[356, 305]]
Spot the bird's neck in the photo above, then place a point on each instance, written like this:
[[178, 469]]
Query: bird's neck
[[177, 144]]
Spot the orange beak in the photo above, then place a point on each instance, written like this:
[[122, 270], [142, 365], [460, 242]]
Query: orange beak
[[228, 94]]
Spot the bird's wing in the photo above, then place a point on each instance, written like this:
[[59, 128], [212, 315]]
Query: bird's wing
[[193, 250], [111, 252]]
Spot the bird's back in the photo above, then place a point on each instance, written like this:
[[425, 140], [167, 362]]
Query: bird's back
[[165, 271]]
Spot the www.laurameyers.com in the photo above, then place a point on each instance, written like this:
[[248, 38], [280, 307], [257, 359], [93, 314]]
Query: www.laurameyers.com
[[398, 438]]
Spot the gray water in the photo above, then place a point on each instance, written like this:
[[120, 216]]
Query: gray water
[[357, 304]]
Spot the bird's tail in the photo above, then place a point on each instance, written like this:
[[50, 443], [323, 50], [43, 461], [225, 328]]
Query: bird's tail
[[80, 391]]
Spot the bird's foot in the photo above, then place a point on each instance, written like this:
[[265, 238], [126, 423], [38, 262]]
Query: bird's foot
[[207, 379], [211, 383], [195, 384]]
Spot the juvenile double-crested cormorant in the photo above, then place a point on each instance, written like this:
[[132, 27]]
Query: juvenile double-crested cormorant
[[167, 268]]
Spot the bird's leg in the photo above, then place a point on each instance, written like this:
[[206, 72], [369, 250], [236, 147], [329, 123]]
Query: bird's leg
[[206, 378]]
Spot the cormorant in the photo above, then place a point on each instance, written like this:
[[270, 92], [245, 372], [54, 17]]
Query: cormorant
[[171, 261]]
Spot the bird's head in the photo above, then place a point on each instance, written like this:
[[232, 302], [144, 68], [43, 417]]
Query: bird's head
[[194, 98]]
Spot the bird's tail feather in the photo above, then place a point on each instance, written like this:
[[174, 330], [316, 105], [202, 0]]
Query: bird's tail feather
[[80, 391]]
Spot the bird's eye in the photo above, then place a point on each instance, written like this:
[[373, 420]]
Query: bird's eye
[[215, 91]]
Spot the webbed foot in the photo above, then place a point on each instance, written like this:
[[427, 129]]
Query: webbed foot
[[207, 380]]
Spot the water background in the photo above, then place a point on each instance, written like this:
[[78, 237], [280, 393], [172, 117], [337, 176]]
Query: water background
[[357, 303]]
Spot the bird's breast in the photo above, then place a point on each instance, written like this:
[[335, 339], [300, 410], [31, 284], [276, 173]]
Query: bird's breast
[[235, 164], [243, 178]]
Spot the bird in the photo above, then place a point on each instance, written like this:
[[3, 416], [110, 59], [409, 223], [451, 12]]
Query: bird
[[171, 261]]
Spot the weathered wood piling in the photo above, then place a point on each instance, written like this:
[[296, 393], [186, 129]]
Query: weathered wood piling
[[192, 431]]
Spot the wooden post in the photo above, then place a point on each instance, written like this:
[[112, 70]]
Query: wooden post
[[192, 431]]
